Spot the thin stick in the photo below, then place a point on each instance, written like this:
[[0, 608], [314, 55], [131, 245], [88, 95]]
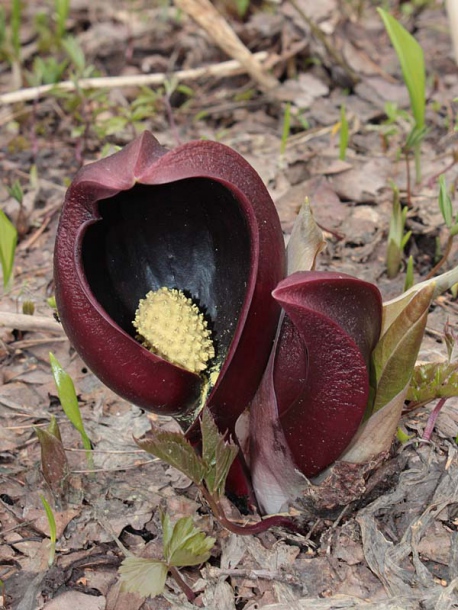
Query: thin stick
[[219, 30], [222, 70], [20, 321], [452, 10]]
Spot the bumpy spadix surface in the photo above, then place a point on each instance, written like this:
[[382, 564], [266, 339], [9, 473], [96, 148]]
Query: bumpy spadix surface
[[171, 325]]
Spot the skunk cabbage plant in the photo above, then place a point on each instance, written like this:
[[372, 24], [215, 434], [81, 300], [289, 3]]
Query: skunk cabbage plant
[[173, 285]]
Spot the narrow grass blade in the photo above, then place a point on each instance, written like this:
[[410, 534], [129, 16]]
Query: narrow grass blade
[[8, 241]]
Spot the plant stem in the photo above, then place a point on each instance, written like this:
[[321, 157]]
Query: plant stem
[[417, 153], [190, 595], [432, 420], [408, 182], [249, 528]]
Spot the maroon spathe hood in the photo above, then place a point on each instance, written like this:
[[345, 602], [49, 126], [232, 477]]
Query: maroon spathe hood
[[198, 219]]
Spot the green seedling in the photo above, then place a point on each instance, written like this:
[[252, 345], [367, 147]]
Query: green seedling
[[16, 192], [52, 530], [451, 222], [10, 34], [344, 133], [286, 129], [411, 59], [61, 12], [69, 401], [409, 279], [208, 471], [183, 545], [46, 71], [402, 436], [397, 237], [435, 381], [8, 241], [242, 7]]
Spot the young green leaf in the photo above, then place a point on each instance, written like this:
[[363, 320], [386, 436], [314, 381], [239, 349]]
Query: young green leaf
[[343, 140], [16, 192], [69, 401], [67, 394], [143, 576], [397, 239], [8, 240], [218, 455], [433, 380], [286, 128], [52, 529], [175, 450], [395, 354], [445, 206], [184, 544], [409, 280], [411, 58]]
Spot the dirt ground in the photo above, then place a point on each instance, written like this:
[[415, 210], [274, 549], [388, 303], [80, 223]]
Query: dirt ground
[[398, 550]]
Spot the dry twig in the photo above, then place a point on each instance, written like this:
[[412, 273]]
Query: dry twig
[[20, 321], [222, 70], [206, 15]]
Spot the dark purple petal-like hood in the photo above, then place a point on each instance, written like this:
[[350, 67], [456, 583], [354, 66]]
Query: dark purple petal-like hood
[[197, 218], [316, 386]]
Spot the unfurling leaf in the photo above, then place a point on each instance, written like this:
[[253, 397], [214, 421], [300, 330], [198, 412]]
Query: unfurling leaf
[[217, 453], [306, 241], [393, 308], [396, 353], [433, 380], [143, 576], [175, 450], [394, 359], [184, 544]]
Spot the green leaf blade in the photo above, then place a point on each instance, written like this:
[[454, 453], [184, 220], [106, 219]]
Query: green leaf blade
[[187, 546], [218, 455], [411, 59], [175, 450], [395, 355], [143, 576], [8, 241], [433, 380]]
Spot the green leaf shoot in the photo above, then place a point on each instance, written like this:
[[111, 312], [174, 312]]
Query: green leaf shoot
[[409, 279], [397, 237], [344, 133], [8, 241], [412, 61], [218, 455], [395, 354], [69, 401], [52, 529], [432, 381], [286, 128]]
